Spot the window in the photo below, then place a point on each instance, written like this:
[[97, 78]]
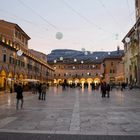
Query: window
[[4, 57], [113, 71], [111, 63], [10, 60], [18, 61], [136, 3]]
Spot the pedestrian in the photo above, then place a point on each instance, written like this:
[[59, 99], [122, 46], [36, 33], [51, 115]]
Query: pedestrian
[[108, 90], [19, 96], [103, 89], [43, 88], [40, 91]]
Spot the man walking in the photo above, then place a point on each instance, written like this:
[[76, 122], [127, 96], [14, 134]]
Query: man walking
[[19, 91], [43, 88]]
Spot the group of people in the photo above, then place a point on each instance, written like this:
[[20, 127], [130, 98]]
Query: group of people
[[42, 88], [105, 89], [42, 91]]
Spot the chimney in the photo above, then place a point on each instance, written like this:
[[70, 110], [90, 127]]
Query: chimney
[[118, 49]]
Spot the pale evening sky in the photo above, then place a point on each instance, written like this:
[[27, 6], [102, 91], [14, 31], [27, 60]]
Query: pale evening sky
[[95, 25]]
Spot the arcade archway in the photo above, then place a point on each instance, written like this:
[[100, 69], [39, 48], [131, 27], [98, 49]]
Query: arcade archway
[[96, 80], [3, 80]]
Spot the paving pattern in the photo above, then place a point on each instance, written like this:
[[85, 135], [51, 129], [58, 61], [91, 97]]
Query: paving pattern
[[72, 112]]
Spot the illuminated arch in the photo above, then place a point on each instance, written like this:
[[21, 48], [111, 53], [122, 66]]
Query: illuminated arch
[[3, 73], [21, 77], [10, 75], [60, 81], [3, 79], [70, 81], [82, 81], [55, 81], [97, 80], [89, 80], [76, 80]]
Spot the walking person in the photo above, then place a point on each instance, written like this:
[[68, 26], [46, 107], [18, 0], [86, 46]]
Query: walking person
[[44, 89], [108, 90], [40, 91], [103, 89], [19, 96]]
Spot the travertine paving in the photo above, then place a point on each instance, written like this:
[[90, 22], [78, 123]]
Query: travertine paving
[[73, 111]]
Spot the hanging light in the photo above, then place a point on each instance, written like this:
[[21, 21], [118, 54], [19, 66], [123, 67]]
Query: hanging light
[[127, 39], [83, 49], [59, 35], [96, 58], [55, 61], [61, 58], [86, 53], [108, 53], [19, 52]]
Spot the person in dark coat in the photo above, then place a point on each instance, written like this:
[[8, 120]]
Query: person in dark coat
[[108, 90], [40, 91], [19, 91], [44, 89], [103, 89]]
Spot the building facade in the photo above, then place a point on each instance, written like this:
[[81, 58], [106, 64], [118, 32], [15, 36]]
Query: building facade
[[114, 70], [132, 55], [17, 63], [132, 51], [78, 67], [137, 9]]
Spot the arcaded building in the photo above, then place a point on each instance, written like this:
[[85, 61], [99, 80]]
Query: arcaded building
[[17, 62], [86, 67]]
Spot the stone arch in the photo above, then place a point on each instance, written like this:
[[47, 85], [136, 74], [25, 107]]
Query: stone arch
[[21, 77], [76, 81], [60, 81], [97, 80], [89, 80], [70, 81], [82, 81], [3, 77]]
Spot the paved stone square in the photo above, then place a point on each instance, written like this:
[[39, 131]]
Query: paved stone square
[[73, 111]]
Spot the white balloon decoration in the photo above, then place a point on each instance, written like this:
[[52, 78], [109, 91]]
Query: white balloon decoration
[[83, 49], [19, 52], [127, 39], [59, 35], [61, 58], [86, 53]]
